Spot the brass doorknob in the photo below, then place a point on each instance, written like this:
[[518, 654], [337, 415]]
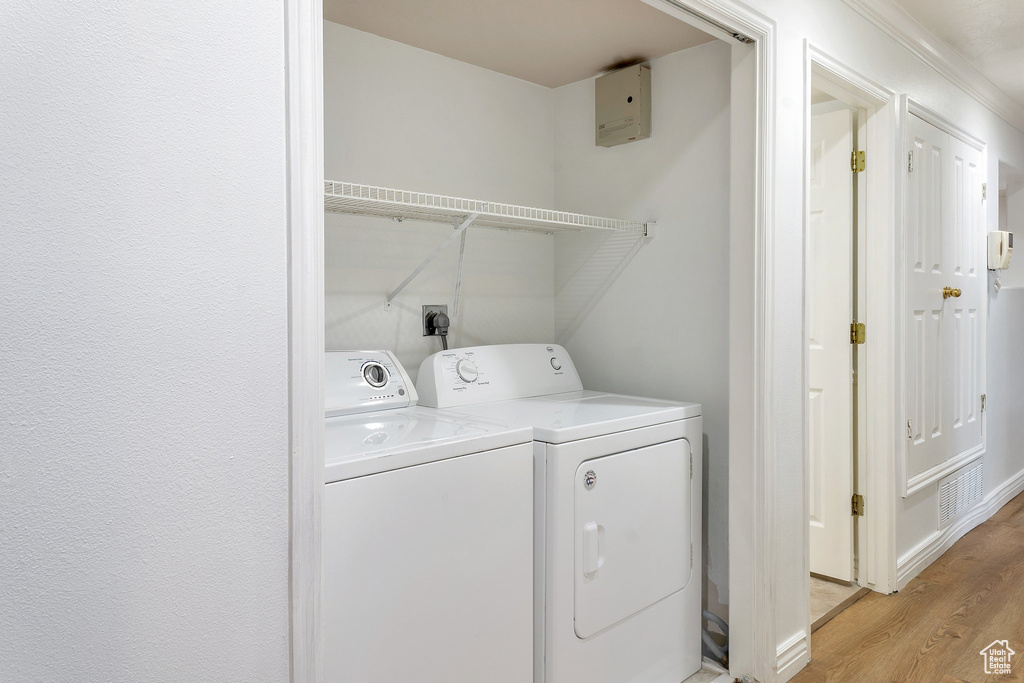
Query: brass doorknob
[[951, 292]]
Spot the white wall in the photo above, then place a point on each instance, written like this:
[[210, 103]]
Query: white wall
[[852, 40], [402, 117], [143, 348], [661, 328], [1004, 409], [1011, 210]]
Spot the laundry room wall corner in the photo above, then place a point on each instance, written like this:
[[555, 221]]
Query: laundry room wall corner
[[671, 299]]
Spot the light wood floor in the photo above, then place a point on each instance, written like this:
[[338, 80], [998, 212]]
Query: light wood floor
[[934, 628]]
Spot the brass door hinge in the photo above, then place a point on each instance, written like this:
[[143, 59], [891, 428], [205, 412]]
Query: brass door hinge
[[984, 400], [857, 160], [858, 333], [857, 505]]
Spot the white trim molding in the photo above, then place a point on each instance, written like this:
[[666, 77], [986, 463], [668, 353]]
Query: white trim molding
[[944, 124], [303, 23], [792, 655], [929, 550], [898, 24], [933, 474]]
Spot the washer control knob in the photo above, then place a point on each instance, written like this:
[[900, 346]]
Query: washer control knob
[[375, 374], [556, 363], [467, 370]]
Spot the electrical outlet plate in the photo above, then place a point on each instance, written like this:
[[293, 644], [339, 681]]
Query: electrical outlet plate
[[429, 310]]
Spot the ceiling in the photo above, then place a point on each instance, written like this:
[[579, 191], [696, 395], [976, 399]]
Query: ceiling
[[548, 42], [988, 33]]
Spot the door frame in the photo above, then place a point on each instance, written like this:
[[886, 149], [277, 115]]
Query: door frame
[[879, 395], [754, 652], [304, 149], [752, 459]]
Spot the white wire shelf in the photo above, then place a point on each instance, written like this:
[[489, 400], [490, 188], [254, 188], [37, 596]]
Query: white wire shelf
[[353, 198]]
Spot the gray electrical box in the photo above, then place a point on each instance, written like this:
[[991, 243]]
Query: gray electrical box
[[623, 106]]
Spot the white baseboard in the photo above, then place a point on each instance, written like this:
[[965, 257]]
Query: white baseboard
[[929, 550], [792, 655]]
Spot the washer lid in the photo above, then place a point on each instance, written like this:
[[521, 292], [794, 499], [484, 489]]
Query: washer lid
[[574, 415], [357, 445]]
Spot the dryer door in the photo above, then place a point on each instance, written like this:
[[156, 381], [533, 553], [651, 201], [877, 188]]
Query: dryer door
[[632, 533]]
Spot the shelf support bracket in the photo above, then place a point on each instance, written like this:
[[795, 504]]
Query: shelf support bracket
[[460, 229], [458, 275]]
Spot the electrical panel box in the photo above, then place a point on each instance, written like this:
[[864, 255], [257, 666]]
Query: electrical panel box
[[1000, 246], [623, 106]]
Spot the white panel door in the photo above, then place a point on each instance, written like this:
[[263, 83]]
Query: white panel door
[[830, 312], [944, 336], [968, 260]]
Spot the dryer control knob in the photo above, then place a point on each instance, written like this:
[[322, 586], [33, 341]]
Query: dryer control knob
[[467, 370], [556, 363]]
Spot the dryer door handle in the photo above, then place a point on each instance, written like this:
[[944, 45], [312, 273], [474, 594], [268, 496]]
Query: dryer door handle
[[593, 548]]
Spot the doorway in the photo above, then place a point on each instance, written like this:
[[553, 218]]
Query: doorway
[[832, 274], [849, 303]]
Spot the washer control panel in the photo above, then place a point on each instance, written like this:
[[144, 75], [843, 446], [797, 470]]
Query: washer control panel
[[361, 381], [482, 374]]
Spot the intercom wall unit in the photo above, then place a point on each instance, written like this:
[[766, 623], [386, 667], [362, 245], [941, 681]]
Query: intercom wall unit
[[1000, 245], [623, 106]]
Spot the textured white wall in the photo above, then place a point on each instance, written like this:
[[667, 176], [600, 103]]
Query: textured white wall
[[402, 117], [662, 327], [143, 343]]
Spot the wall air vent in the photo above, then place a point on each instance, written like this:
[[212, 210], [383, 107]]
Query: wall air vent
[[959, 492]]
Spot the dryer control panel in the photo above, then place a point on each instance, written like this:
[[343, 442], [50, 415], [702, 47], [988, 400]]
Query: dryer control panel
[[361, 381], [483, 374]]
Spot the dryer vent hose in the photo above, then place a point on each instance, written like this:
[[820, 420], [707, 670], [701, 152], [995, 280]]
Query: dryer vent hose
[[719, 653]]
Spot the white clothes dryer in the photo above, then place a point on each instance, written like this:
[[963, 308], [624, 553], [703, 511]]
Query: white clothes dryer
[[618, 523], [427, 535]]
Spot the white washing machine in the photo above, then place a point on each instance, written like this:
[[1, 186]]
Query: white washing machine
[[618, 589], [427, 535]]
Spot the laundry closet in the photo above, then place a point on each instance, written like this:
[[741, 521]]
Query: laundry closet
[[619, 254]]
